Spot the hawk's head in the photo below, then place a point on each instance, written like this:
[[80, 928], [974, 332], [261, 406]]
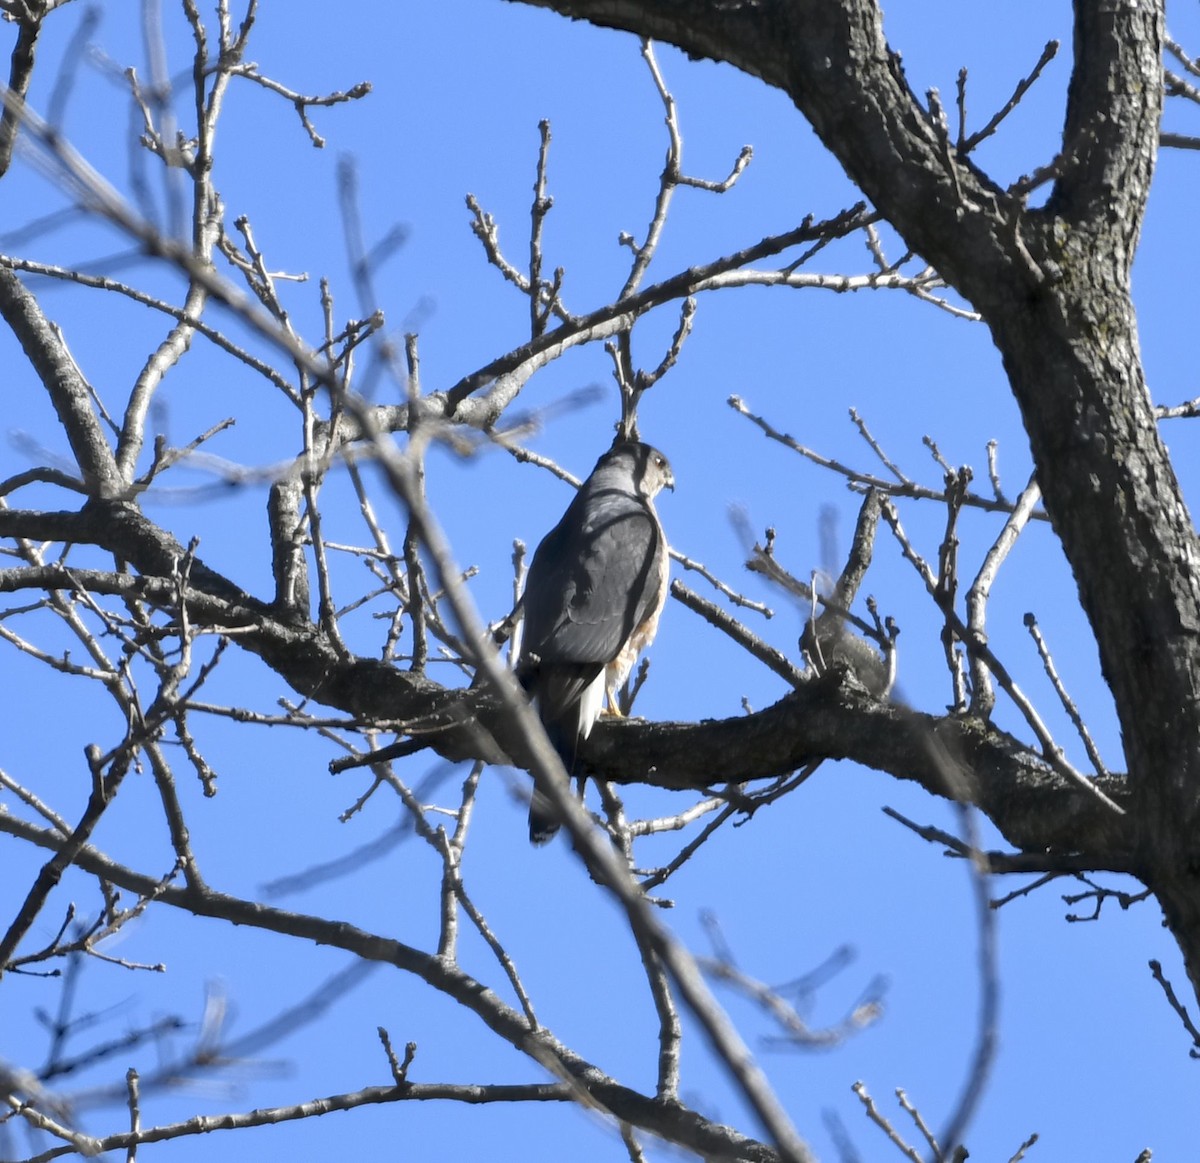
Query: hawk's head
[[648, 468]]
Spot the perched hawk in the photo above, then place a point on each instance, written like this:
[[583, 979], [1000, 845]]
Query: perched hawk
[[595, 589]]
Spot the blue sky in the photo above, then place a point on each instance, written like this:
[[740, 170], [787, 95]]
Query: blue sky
[[458, 90]]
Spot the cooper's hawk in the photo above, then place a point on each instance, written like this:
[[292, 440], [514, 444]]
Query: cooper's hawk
[[596, 587]]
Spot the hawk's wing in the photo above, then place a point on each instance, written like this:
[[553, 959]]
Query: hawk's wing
[[592, 581]]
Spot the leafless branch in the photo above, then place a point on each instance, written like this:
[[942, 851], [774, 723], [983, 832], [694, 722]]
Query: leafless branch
[[862, 480], [1179, 1008], [1051, 749], [1068, 703], [966, 144], [982, 697], [717, 617], [302, 103]]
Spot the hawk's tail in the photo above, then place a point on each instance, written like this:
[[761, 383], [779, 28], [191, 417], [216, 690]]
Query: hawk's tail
[[544, 820], [568, 699]]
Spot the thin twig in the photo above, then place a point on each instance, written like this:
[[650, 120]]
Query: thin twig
[[1093, 752], [300, 102], [864, 480], [1179, 1008], [1052, 752], [729, 625], [881, 1121], [1023, 1148], [965, 146], [982, 696]]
